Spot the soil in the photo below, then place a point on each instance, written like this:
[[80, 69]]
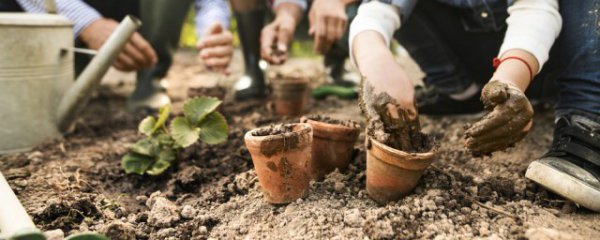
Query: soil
[[77, 184], [326, 119], [402, 131], [273, 130]]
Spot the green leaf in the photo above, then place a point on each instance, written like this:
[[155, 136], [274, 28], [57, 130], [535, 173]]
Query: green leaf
[[136, 163], [158, 168], [167, 155], [213, 129], [165, 139], [147, 126], [184, 133], [195, 110], [163, 115], [145, 147]]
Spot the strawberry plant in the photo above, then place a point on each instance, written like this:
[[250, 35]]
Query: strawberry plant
[[158, 149]]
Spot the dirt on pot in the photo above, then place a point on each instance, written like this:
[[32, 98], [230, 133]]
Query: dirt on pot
[[459, 197], [402, 132]]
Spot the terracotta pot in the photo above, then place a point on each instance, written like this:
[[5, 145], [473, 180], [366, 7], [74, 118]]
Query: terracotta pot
[[332, 147], [391, 173], [289, 96], [282, 162]]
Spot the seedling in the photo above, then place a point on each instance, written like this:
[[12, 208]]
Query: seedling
[[155, 153], [15, 223]]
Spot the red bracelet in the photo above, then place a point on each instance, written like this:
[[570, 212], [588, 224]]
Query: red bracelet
[[497, 63]]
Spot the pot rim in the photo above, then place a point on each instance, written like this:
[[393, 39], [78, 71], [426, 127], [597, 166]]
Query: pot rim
[[343, 133], [399, 158], [306, 129]]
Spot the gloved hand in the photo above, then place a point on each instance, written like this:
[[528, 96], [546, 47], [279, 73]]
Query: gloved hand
[[508, 122]]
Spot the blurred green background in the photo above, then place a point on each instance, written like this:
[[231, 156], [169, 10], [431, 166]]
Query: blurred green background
[[299, 48]]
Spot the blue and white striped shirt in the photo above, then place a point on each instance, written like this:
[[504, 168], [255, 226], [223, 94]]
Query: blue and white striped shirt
[[82, 15]]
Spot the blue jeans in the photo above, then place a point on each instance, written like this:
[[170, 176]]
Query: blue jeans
[[455, 43]]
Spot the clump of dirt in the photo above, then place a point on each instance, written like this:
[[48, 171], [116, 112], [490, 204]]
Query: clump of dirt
[[275, 129], [326, 119], [391, 125], [216, 91]]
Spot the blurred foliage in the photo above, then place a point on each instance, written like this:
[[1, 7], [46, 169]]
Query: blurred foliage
[[299, 48]]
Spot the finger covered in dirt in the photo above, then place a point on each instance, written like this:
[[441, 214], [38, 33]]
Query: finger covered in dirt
[[391, 124], [507, 123]]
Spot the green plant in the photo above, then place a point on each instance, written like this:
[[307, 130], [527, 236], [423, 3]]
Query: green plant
[[155, 153]]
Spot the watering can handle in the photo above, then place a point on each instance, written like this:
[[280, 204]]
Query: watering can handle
[[14, 220], [78, 95], [50, 6]]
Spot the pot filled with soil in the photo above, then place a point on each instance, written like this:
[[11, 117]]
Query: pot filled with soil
[[397, 151], [392, 173], [289, 94], [281, 155], [333, 143]]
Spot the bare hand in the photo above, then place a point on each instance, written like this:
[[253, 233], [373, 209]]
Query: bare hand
[[216, 48], [508, 122], [276, 36], [328, 22], [137, 53]]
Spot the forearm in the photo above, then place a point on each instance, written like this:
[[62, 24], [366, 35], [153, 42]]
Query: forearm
[[290, 11], [81, 14], [369, 48], [533, 26], [514, 71]]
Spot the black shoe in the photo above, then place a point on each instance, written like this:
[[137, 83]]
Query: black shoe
[[571, 168], [252, 84], [431, 102], [336, 72]]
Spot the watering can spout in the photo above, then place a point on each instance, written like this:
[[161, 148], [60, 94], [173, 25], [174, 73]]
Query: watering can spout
[[78, 95]]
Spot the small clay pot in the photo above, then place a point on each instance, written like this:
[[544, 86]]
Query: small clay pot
[[289, 96], [332, 147], [391, 173], [282, 162]]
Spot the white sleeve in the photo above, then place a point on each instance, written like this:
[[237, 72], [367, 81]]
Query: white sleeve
[[374, 16], [81, 14], [533, 25], [302, 3]]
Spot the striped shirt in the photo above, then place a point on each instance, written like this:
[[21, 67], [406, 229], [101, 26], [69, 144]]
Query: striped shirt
[[82, 15]]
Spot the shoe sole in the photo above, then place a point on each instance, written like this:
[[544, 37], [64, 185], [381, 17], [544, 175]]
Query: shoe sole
[[565, 185]]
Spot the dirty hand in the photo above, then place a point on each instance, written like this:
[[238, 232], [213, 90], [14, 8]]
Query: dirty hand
[[137, 53], [328, 22], [508, 122], [387, 95], [216, 48], [276, 36]]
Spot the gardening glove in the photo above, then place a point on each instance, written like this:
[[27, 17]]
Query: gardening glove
[[508, 122]]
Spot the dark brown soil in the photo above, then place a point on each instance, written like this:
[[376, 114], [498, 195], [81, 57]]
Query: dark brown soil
[[327, 119], [77, 184]]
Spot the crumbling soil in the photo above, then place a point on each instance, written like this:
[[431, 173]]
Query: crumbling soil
[[402, 131], [327, 119], [273, 130], [77, 184]]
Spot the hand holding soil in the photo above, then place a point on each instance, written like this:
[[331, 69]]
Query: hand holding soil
[[507, 123], [390, 123]]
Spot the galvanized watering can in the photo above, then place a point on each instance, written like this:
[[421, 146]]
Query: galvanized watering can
[[38, 98]]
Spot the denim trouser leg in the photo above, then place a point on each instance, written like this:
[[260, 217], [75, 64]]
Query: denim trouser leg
[[162, 24], [579, 54]]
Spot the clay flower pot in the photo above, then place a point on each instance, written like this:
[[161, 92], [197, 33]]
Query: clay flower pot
[[391, 173], [333, 144], [289, 96], [282, 160]]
